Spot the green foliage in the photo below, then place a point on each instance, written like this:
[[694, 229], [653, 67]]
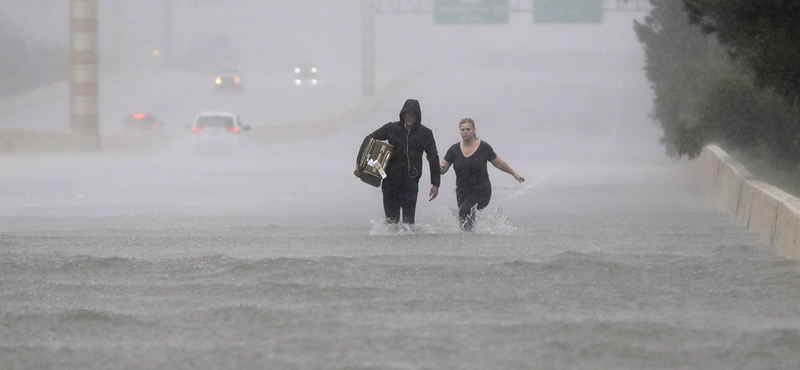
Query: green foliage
[[689, 137], [764, 35], [680, 63], [740, 116], [722, 73]]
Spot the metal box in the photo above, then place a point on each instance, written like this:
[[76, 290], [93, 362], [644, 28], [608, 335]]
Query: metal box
[[373, 160]]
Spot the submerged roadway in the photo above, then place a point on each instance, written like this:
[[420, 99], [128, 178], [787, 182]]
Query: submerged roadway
[[272, 255]]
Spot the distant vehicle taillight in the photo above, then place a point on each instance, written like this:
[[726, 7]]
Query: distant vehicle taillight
[[155, 127], [235, 130], [195, 129]]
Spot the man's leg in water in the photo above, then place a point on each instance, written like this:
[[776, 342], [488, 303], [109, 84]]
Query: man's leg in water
[[391, 204], [409, 203]]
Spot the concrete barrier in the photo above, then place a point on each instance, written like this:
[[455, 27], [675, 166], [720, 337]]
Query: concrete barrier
[[19, 141], [761, 207]]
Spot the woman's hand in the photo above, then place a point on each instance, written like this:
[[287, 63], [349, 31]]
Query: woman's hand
[[443, 167], [503, 166]]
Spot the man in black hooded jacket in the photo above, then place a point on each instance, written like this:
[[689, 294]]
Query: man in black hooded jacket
[[409, 138]]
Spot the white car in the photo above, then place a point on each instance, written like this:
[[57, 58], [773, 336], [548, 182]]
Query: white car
[[218, 130]]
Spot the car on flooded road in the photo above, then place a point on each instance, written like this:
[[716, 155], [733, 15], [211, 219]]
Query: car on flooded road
[[306, 75], [228, 80], [142, 123], [218, 130]]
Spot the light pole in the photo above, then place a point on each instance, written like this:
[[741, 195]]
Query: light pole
[[84, 107]]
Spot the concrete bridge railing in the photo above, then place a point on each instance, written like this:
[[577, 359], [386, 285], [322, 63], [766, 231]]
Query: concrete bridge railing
[[761, 207]]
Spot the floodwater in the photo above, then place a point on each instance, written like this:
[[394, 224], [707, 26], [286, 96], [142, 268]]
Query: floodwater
[[241, 261], [274, 256], [639, 273]]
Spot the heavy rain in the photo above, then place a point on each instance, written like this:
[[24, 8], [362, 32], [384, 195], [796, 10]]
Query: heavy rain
[[146, 243]]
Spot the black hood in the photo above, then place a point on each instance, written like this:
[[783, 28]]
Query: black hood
[[411, 105]]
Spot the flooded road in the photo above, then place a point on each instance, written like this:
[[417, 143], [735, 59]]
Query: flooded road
[[274, 255]]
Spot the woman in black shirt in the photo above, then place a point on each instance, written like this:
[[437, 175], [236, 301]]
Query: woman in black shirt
[[469, 157]]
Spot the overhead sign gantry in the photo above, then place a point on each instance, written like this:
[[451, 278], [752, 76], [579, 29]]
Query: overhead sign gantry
[[482, 12], [470, 11]]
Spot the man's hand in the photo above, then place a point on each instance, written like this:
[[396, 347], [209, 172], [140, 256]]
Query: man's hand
[[434, 192]]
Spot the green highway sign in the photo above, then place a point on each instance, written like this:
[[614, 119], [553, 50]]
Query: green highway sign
[[567, 11], [470, 11]]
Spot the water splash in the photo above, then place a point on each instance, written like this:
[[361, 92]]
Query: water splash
[[383, 228], [493, 223], [447, 222], [488, 222]]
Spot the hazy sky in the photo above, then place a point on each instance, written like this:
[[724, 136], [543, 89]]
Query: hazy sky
[[272, 34]]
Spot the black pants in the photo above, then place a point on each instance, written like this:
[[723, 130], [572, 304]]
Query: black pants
[[470, 200], [400, 196]]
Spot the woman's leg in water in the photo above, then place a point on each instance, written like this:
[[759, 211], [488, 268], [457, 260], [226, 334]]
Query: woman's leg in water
[[470, 201], [467, 200]]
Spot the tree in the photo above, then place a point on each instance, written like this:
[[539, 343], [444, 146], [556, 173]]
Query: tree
[[749, 120], [680, 63], [764, 35], [728, 72]]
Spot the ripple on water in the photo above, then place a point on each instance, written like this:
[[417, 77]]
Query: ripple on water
[[487, 222]]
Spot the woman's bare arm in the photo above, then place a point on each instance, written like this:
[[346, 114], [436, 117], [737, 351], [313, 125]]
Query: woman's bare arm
[[503, 166], [443, 167]]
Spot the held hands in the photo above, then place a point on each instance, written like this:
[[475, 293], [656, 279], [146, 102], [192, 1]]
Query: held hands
[[443, 167]]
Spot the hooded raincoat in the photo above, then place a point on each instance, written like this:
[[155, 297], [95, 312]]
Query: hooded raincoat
[[404, 168], [405, 164]]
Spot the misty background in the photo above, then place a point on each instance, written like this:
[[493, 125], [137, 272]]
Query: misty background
[[267, 40], [557, 95], [273, 255]]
